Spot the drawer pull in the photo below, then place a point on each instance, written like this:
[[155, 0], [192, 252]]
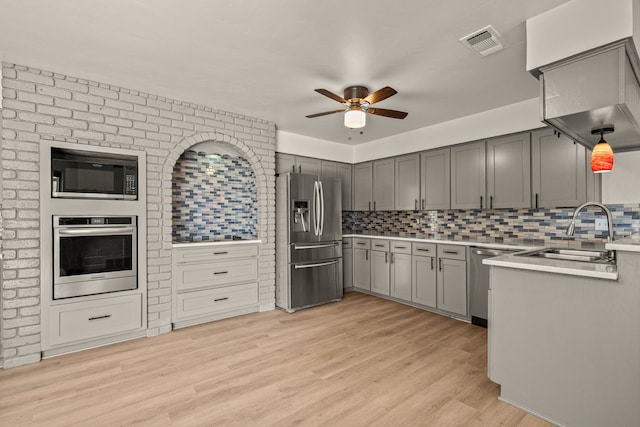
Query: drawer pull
[[220, 299], [220, 272], [451, 252], [401, 247], [221, 253], [361, 243], [106, 316], [379, 246], [423, 250]]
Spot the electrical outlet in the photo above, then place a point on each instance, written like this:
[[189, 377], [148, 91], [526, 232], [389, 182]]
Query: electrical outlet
[[601, 224]]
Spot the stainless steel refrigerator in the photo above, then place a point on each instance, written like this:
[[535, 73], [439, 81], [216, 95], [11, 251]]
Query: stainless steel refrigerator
[[308, 240]]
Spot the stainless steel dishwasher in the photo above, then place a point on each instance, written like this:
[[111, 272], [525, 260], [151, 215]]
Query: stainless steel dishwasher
[[479, 282]]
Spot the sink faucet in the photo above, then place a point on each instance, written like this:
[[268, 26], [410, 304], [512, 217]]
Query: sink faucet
[[572, 224]]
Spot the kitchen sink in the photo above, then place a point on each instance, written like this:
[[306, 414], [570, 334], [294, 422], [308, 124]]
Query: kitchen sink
[[581, 255]]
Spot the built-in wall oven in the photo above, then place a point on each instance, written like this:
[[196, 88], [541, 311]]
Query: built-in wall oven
[[94, 255]]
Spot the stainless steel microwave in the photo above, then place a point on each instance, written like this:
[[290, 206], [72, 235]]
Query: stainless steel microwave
[[93, 175]]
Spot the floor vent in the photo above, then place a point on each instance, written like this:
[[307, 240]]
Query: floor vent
[[484, 42]]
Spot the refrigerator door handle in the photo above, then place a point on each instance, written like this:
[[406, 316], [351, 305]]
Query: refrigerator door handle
[[320, 264], [321, 208], [316, 203], [330, 245]]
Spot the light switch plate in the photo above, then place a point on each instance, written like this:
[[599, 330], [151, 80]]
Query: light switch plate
[[601, 224]]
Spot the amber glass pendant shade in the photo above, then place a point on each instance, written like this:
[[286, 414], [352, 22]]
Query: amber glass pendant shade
[[602, 157]]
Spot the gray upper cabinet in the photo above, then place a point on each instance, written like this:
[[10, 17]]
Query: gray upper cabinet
[[285, 163], [308, 165], [329, 169], [509, 171], [468, 173], [407, 182], [435, 179], [362, 187], [383, 188], [345, 174], [558, 171]]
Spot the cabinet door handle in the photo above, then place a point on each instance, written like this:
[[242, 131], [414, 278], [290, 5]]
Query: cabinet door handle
[[366, 254], [220, 299], [106, 316], [480, 202], [369, 205], [374, 205], [392, 257], [386, 257], [490, 202], [440, 264], [220, 272], [536, 200], [300, 168], [293, 168], [422, 203], [416, 204], [432, 259]]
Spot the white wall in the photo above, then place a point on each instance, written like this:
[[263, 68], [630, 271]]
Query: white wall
[[292, 143], [578, 26], [512, 118], [622, 184]]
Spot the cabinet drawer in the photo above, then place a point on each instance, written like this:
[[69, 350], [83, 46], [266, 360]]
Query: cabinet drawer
[[216, 273], [401, 247], [93, 319], [424, 249], [452, 252], [347, 243], [361, 243], [379, 245], [212, 301], [184, 256]]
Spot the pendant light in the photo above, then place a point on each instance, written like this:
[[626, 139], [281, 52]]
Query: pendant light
[[602, 154]]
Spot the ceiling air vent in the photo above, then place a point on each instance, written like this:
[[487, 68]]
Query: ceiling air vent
[[484, 42]]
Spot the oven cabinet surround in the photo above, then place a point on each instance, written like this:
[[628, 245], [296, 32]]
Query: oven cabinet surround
[[567, 348], [213, 281], [77, 323], [40, 105]]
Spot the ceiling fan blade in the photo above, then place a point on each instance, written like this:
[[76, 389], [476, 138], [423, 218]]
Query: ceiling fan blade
[[325, 113], [381, 94], [331, 95], [394, 114]]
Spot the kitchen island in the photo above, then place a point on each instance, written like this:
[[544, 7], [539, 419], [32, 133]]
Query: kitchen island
[[565, 345]]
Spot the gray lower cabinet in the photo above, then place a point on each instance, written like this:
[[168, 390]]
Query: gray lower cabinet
[[380, 267], [407, 182], [424, 274], [509, 171], [452, 279], [435, 179], [383, 187], [361, 264], [214, 282], [362, 186], [468, 176], [401, 270], [558, 175], [347, 262]]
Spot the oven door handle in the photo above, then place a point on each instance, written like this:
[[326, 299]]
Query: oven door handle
[[95, 231]]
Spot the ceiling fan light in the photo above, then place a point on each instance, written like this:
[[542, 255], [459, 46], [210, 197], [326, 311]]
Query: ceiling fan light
[[602, 157], [355, 119]]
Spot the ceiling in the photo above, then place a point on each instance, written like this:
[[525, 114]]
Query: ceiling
[[265, 58]]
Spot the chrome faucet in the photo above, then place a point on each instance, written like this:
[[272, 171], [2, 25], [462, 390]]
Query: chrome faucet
[[572, 224]]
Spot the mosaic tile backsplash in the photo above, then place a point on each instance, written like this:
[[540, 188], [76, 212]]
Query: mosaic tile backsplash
[[214, 197], [542, 225]]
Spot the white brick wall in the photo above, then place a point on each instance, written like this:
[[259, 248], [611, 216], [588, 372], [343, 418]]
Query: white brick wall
[[43, 105]]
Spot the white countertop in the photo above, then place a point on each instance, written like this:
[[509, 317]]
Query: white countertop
[[628, 244], [573, 268], [215, 243], [501, 245]]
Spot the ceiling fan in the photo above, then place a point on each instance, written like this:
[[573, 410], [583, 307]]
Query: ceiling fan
[[357, 101]]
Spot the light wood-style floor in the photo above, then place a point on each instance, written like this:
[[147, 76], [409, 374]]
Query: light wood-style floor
[[364, 361]]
